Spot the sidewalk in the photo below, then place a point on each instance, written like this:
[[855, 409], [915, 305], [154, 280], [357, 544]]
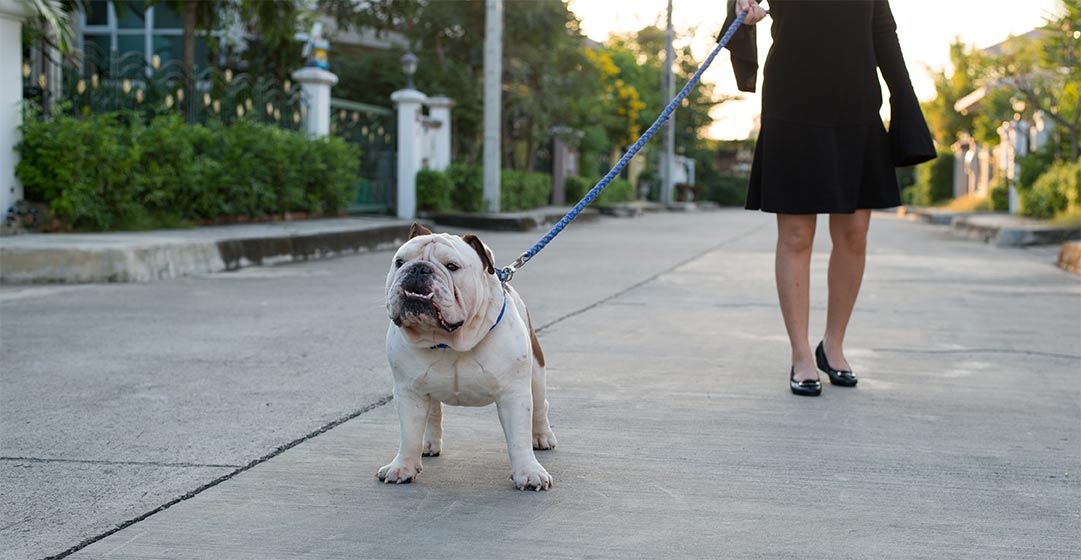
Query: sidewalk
[[997, 228], [251, 422], [166, 254]]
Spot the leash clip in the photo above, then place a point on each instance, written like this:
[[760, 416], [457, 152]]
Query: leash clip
[[507, 272]]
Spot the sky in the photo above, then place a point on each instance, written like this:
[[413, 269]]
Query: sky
[[924, 28]]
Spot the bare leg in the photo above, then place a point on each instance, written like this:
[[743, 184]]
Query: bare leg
[[847, 258], [433, 430], [795, 236]]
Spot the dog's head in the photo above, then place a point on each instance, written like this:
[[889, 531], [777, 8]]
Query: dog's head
[[438, 282]]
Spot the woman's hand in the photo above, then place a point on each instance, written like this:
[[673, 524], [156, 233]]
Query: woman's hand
[[755, 13]]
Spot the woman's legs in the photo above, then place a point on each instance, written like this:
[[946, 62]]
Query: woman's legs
[[849, 235], [795, 236]]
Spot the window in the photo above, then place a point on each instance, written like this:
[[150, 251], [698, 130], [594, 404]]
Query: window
[[125, 26]]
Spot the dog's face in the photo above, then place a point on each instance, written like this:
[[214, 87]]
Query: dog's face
[[437, 282]]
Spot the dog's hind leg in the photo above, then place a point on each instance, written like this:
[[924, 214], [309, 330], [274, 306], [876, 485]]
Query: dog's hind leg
[[433, 430], [543, 438]]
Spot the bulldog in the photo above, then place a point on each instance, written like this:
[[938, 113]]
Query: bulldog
[[460, 336]]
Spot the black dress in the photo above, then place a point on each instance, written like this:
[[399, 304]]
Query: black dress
[[822, 147]]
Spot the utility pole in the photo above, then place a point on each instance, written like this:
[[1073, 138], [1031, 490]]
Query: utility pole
[[668, 159], [493, 100]]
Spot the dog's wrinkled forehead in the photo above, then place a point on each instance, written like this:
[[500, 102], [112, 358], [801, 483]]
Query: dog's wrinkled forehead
[[431, 247]]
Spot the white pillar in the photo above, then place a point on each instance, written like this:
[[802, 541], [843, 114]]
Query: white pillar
[[493, 101], [668, 183], [410, 136], [315, 84], [439, 110], [12, 14]]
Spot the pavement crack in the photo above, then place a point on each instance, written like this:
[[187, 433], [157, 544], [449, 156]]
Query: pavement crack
[[649, 279], [277, 451], [118, 463]]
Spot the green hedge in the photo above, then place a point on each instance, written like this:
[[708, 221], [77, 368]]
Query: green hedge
[[727, 190], [433, 190], [934, 182], [466, 187], [1056, 191], [619, 190], [575, 187], [999, 194], [111, 171], [522, 190]]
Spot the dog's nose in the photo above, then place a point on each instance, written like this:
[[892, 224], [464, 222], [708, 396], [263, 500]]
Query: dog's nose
[[420, 268]]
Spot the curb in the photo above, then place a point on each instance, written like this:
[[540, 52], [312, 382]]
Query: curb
[[1020, 233], [940, 216], [98, 258], [526, 221], [1069, 257]]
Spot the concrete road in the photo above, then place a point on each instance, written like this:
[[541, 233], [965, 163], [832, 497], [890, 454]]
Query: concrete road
[[253, 405]]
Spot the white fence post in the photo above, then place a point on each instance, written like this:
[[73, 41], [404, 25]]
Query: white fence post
[[315, 84], [12, 14], [439, 111], [410, 136]]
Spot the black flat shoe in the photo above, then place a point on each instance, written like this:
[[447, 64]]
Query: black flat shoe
[[805, 388], [842, 377]]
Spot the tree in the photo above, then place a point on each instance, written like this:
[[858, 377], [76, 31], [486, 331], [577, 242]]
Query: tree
[[1040, 72], [945, 122]]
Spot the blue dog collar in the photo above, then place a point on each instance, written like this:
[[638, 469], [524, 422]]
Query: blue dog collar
[[497, 320]]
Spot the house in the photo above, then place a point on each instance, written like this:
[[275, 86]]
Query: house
[[977, 165]]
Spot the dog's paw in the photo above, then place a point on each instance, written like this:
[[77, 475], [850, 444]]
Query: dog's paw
[[544, 440], [531, 477], [399, 473], [432, 448]]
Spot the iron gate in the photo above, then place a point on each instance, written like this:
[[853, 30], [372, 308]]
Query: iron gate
[[373, 130]]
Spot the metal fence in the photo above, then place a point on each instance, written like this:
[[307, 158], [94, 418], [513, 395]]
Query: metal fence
[[95, 82], [373, 129], [99, 82]]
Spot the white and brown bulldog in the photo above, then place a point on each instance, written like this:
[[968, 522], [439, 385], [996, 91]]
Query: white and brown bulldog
[[460, 336]]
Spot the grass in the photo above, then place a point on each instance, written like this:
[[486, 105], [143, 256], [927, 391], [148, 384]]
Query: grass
[[1068, 218], [970, 203]]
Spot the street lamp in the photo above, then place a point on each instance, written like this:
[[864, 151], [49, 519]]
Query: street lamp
[[1018, 105], [409, 66]]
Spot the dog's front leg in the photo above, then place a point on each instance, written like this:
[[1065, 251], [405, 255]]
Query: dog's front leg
[[516, 416], [412, 413]]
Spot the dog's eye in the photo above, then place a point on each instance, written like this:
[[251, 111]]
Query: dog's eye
[[452, 267], [398, 263]]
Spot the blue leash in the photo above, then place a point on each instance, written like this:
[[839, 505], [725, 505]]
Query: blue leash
[[507, 272]]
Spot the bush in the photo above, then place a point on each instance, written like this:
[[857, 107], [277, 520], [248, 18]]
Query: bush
[[522, 190], [1058, 191], [433, 190], [934, 182], [619, 190], [576, 187], [1032, 166], [82, 168], [727, 190], [999, 194], [970, 203], [111, 171], [466, 187]]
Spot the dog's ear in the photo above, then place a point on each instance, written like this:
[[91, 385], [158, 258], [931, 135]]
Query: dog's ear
[[485, 254], [418, 229]]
